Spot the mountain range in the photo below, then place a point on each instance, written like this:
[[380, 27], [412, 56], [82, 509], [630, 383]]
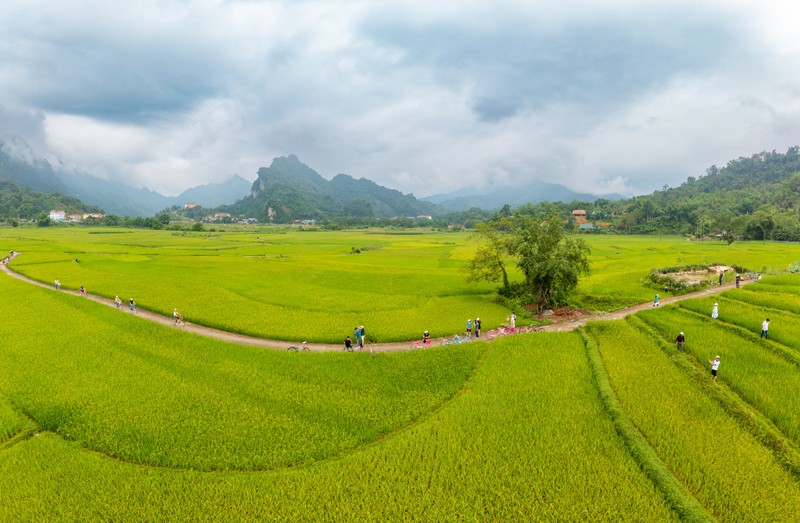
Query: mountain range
[[493, 198], [292, 189], [21, 165]]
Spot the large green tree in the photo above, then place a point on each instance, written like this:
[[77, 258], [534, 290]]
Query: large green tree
[[550, 262]]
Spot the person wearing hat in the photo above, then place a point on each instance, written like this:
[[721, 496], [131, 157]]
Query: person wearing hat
[[426, 338], [469, 327], [679, 341], [714, 367], [477, 327], [715, 311]]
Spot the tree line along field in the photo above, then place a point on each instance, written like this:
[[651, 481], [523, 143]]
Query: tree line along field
[[292, 285], [104, 416]]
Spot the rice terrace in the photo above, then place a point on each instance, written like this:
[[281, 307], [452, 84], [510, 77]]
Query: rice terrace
[[105, 416]]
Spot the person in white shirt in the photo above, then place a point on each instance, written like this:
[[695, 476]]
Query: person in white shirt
[[714, 367], [765, 329]]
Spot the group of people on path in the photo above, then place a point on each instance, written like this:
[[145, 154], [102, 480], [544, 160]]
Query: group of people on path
[[476, 325], [175, 314], [680, 340], [360, 335]]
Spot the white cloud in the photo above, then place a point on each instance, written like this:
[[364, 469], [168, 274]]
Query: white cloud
[[424, 97]]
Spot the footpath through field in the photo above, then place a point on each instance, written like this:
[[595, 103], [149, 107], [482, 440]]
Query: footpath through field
[[242, 339]]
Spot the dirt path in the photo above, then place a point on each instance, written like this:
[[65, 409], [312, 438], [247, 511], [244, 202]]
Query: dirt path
[[242, 339]]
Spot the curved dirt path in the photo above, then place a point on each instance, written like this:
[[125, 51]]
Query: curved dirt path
[[242, 339]]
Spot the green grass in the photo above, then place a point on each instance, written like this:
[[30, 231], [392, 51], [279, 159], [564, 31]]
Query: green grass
[[725, 467], [10, 420], [291, 285], [525, 438], [104, 416], [154, 395], [760, 376], [620, 264]]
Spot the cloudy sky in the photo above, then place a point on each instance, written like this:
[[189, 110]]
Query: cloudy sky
[[421, 96]]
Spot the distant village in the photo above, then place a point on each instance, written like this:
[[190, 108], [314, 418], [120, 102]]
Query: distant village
[[62, 216]]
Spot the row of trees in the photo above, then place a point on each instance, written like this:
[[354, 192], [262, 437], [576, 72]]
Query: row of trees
[[753, 198]]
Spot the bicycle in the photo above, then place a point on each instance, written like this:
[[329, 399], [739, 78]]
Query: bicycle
[[301, 348], [421, 344]]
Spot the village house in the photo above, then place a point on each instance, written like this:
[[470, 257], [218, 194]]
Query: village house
[[57, 215], [190, 205], [579, 215]]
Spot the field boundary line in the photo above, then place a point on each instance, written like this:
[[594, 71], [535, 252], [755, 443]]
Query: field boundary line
[[28, 429], [758, 424], [761, 307], [677, 496], [785, 352]]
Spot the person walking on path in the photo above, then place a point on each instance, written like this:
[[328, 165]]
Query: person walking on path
[[177, 316], [357, 334], [477, 327], [58, 284], [765, 329], [715, 311], [513, 322], [362, 337], [426, 338], [348, 344], [680, 340], [469, 327], [117, 302], [738, 280], [721, 274], [132, 305], [714, 367], [84, 293], [655, 300]]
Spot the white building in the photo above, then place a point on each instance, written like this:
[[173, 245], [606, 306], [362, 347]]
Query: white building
[[58, 215]]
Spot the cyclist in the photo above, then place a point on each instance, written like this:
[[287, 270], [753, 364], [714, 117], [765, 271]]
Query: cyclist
[[177, 316], [117, 302], [132, 305]]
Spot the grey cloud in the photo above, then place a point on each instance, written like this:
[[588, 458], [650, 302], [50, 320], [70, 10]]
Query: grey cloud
[[601, 65], [495, 109]]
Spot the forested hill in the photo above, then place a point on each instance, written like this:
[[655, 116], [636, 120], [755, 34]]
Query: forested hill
[[756, 197], [22, 203], [295, 192]]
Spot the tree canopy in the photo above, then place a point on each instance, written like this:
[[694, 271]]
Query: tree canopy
[[549, 261]]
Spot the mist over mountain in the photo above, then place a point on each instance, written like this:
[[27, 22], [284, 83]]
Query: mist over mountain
[[493, 198], [117, 198], [21, 165]]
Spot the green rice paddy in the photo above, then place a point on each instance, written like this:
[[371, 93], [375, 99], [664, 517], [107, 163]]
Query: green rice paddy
[[107, 417]]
